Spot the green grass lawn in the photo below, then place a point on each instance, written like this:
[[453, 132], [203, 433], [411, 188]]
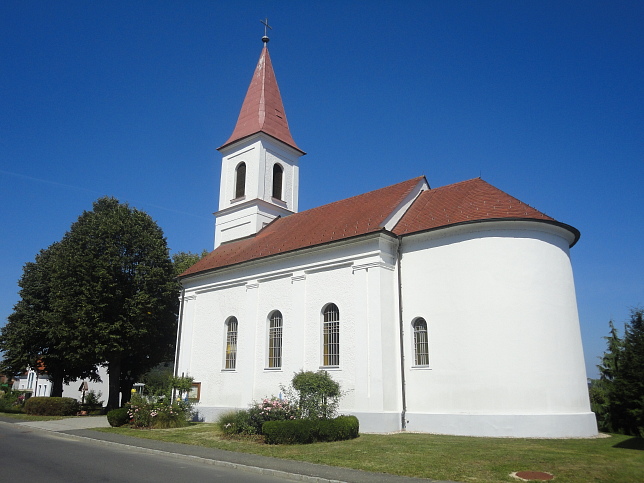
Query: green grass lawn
[[27, 417], [617, 458]]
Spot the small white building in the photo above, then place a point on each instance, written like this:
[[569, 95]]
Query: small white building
[[38, 384], [448, 310]]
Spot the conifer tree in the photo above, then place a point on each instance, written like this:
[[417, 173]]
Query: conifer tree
[[618, 397]]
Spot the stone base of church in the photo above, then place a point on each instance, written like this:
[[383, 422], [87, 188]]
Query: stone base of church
[[580, 425]]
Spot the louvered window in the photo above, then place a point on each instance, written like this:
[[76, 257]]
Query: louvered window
[[278, 174], [240, 180]]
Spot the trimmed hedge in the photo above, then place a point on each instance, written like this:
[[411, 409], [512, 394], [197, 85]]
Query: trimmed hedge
[[306, 431], [52, 406], [118, 417]]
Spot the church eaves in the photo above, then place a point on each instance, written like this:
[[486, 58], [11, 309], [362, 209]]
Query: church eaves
[[359, 215], [466, 202], [263, 110]]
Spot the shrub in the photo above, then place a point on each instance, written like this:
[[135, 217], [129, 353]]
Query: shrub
[[236, 422], [13, 401], [158, 413], [118, 417], [251, 420], [317, 394], [305, 431], [93, 399], [52, 406]]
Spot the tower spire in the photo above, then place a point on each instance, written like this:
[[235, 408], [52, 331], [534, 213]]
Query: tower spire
[[263, 110], [265, 38]]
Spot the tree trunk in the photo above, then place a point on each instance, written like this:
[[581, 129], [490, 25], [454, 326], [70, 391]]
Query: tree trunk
[[114, 371], [126, 391], [56, 385]]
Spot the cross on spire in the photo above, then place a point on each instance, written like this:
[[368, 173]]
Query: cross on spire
[[266, 26]]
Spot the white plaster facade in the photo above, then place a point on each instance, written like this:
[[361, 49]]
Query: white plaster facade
[[495, 288], [239, 217], [504, 343]]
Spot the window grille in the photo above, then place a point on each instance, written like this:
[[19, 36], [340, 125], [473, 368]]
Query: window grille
[[421, 345], [278, 174], [231, 343], [331, 336], [240, 180], [275, 340]]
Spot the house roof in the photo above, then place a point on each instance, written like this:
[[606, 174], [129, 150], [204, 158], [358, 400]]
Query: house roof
[[263, 110], [467, 201], [343, 219]]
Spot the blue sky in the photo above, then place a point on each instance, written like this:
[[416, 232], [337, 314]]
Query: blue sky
[[543, 99]]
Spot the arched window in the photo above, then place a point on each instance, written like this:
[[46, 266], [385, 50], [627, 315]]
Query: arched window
[[331, 336], [275, 340], [240, 180], [231, 343], [278, 174], [421, 344]]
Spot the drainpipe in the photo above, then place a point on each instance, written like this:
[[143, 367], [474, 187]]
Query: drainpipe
[[178, 343], [403, 415]]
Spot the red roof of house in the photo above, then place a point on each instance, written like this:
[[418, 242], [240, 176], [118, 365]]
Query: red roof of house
[[263, 110], [467, 201], [355, 216]]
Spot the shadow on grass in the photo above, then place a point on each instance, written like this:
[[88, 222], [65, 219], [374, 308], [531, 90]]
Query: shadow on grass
[[631, 443]]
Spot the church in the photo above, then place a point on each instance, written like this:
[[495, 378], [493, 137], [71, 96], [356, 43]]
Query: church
[[447, 310]]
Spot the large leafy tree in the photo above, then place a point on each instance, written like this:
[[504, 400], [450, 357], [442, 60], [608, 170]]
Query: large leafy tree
[[35, 336], [618, 396], [116, 285], [184, 260]]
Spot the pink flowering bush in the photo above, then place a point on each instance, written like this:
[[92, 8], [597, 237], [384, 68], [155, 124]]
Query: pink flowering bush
[[250, 421], [157, 413]]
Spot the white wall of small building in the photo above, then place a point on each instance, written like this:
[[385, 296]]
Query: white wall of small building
[[39, 385]]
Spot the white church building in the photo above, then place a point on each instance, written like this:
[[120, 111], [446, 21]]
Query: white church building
[[444, 310]]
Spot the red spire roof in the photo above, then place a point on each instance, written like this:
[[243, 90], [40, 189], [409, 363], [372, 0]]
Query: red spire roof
[[262, 110]]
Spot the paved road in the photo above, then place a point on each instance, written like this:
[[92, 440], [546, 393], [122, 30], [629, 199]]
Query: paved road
[[36, 455]]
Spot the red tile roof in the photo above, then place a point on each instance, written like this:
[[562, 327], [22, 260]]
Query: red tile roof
[[469, 200], [263, 110], [355, 216]]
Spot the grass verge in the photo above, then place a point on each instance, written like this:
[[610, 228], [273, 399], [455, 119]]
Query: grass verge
[[27, 417], [617, 458]]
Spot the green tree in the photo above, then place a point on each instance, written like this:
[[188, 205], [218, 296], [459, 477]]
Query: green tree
[[116, 285], [182, 261], [618, 396], [317, 395], [628, 387], [35, 336]]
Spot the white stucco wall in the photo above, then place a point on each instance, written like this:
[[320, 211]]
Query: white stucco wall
[[504, 340], [357, 276], [240, 217], [499, 300]]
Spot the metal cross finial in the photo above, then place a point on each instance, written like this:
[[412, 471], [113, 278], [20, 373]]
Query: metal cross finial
[[266, 26]]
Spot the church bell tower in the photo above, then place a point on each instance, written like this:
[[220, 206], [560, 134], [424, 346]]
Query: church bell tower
[[259, 168]]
